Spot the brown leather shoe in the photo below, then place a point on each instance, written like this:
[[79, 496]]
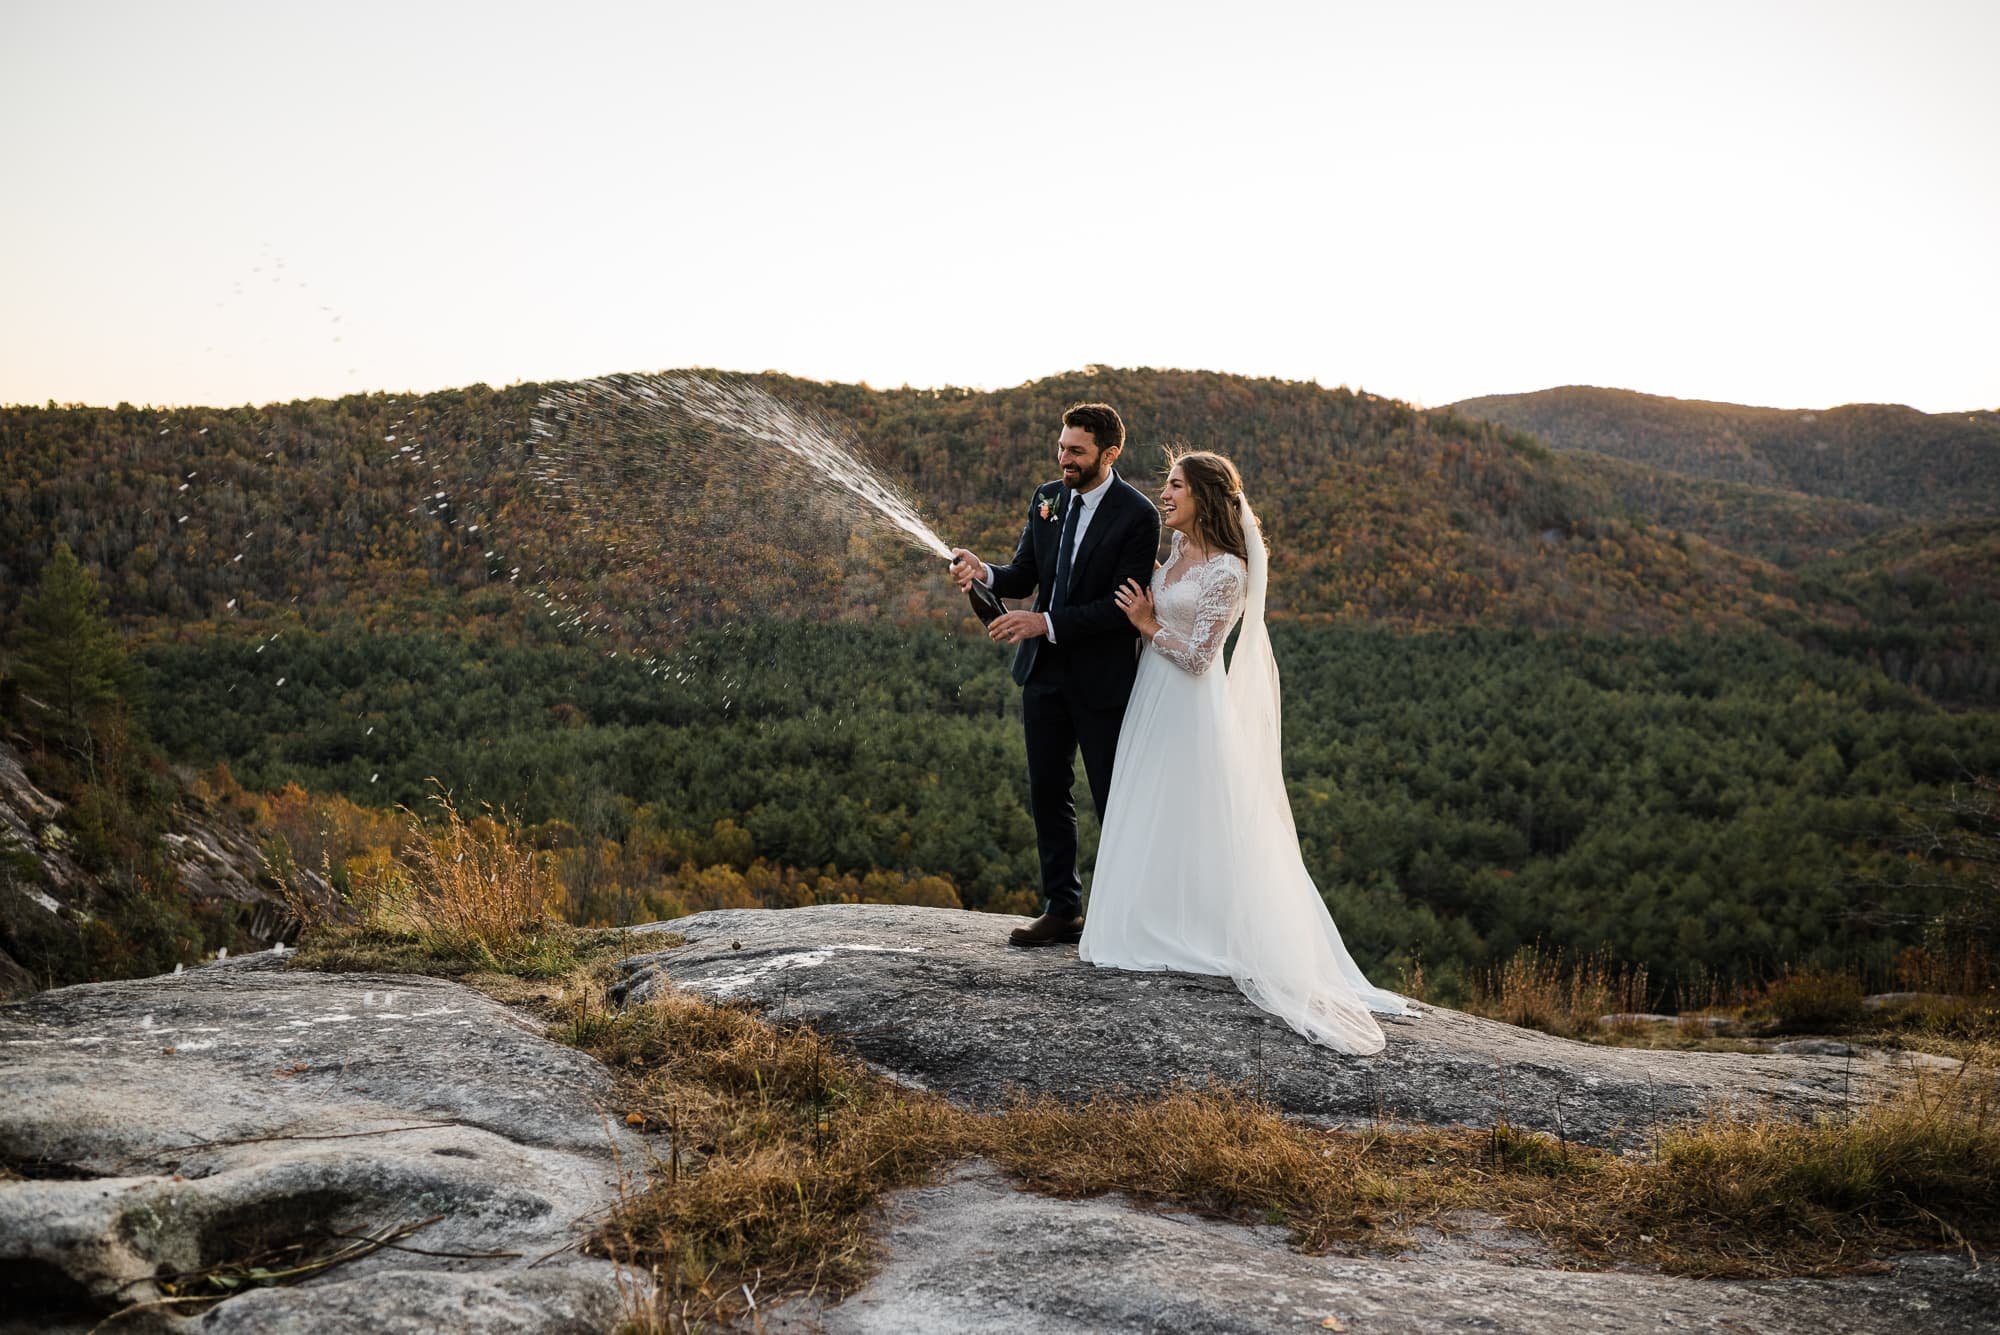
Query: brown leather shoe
[[1047, 930]]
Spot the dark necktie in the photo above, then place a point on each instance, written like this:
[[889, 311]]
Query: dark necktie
[[1059, 589]]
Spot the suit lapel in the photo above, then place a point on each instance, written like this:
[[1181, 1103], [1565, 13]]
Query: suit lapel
[[1107, 509]]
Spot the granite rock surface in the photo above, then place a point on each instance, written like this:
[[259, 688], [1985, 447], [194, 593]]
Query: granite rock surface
[[159, 1126], [974, 1255], [937, 998]]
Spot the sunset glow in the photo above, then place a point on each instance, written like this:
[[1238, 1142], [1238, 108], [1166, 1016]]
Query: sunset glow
[[1789, 204]]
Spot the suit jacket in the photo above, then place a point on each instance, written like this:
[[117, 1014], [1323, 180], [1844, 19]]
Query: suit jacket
[[1094, 655]]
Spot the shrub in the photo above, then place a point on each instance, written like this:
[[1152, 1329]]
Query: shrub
[[469, 885], [1809, 999]]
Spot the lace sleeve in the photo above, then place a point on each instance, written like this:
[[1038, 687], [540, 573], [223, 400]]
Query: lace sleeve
[[1218, 600]]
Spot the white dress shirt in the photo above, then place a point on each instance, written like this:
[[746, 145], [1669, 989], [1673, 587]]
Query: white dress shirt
[[1088, 500]]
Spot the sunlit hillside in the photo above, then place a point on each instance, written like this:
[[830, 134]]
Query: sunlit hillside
[[1886, 455], [392, 508]]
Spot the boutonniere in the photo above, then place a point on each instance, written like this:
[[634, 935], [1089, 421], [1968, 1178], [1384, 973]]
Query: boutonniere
[[1051, 506]]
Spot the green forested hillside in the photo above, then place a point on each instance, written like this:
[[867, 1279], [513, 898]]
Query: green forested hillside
[[1920, 602], [1729, 804], [1786, 528], [1885, 455]]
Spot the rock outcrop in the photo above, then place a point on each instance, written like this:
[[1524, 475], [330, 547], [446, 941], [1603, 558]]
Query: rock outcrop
[[936, 998], [164, 1125], [158, 1127], [44, 889]]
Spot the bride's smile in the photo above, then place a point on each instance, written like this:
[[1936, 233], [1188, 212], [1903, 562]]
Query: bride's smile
[[1177, 504]]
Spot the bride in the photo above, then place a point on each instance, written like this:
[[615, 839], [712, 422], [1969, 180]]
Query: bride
[[1198, 865]]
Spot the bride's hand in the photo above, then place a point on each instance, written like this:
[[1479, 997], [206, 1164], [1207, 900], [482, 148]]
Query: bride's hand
[[1136, 602]]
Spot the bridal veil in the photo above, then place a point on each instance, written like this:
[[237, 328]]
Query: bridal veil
[[1303, 973]]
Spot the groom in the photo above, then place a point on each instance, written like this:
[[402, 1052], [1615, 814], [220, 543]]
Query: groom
[[1086, 535]]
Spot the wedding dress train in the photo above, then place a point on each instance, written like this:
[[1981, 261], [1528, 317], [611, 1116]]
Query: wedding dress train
[[1198, 866]]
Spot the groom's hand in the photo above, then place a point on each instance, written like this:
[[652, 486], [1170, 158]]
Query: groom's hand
[[966, 568], [1015, 627]]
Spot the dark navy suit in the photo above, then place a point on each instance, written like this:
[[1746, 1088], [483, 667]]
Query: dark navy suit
[[1074, 687]]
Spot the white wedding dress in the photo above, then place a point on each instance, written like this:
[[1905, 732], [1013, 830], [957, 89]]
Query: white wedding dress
[[1198, 865]]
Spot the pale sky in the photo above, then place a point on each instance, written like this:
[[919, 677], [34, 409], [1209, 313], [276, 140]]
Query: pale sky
[[1794, 204]]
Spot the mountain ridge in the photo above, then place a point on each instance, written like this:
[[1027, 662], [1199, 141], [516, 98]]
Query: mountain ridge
[[1930, 465], [1377, 509]]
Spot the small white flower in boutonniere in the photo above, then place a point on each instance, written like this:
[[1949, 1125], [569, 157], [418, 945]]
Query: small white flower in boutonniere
[[1051, 507]]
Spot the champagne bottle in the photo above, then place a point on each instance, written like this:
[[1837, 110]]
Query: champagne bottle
[[984, 603]]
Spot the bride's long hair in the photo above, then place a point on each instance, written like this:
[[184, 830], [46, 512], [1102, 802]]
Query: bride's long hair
[[1218, 510]]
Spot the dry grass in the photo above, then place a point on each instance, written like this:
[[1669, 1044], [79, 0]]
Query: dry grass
[[475, 893], [467, 886], [779, 1148], [555, 953], [1541, 990], [1214, 1151], [782, 1159], [1920, 1167], [1965, 1029], [776, 1149], [1218, 1152], [1538, 991]]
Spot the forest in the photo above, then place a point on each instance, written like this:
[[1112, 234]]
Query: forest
[[1691, 715], [1693, 803]]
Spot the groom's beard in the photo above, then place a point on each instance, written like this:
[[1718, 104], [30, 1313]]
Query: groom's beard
[[1085, 481]]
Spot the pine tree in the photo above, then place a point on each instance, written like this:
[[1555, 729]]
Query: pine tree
[[66, 654]]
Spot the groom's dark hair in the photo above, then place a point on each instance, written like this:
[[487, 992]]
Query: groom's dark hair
[[1101, 420]]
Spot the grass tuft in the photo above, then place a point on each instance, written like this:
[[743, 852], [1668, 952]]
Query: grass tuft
[[1213, 1150], [777, 1147], [468, 887], [1919, 1167], [1539, 989], [460, 896]]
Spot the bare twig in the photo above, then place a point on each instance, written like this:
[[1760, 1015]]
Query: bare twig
[[358, 1247], [266, 1140]]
